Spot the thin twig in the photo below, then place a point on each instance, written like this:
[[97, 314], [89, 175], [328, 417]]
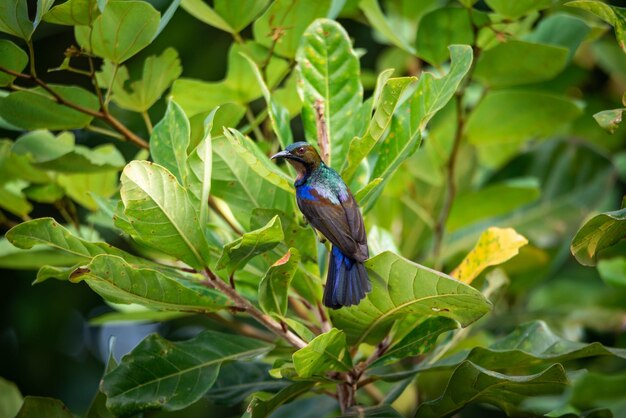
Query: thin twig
[[255, 126], [271, 324], [94, 81], [107, 97], [147, 121], [213, 205], [104, 131], [31, 55], [322, 130]]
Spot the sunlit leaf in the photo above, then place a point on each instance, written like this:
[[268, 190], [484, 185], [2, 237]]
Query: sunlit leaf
[[34, 406], [609, 120], [375, 16], [81, 187], [228, 15], [200, 165], [169, 142], [613, 15], [10, 398], [161, 213], [274, 286], [326, 352], [172, 375], [237, 253], [441, 28], [328, 71], [494, 247], [400, 287], [119, 282], [600, 232], [73, 12]]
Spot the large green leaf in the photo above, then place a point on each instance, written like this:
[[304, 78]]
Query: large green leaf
[[399, 288], [286, 21], [60, 153], [12, 198], [613, 271], [239, 85], [73, 13], [498, 141], [15, 259], [245, 178], [123, 29], [169, 141], [471, 383], [172, 375], [262, 408], [14, 17], [379, 21], [236, 254], [13, 58], [326, 352], [228, 15], [239, 379], [491, 201], [10, 398], [431, 95], [159, 71], [36, 109], [597, 234], [390, 97], [441, 28], [37, 406], [120, 282], [328, 70], [560, 29], [274, 287], [162, 214], [613, 15], [518, 8], [500, 67]]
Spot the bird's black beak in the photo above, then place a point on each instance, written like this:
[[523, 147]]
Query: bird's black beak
[[280, 155]]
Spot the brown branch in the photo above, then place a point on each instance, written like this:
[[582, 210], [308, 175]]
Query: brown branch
[[103, 114], [271, 324], [322, 130]]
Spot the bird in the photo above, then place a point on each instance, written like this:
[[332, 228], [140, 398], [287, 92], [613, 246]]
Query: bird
[[328, 205]]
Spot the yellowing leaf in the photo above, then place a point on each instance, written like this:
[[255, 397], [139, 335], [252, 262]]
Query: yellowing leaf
[[495, 246]]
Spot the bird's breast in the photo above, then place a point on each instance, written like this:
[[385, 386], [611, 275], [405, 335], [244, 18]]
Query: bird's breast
[[311, 193]]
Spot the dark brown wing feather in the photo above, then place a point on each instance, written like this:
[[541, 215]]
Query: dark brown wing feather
[[341, 224]]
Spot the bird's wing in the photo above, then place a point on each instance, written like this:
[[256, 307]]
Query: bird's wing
[[341, 223]]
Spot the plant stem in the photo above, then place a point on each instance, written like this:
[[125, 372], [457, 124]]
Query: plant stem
[[104, 131], [107, 97], [94, 81], [213, 205], [242, 328], [243, 303], [147, 121], [31, 55], [255, 126], [100, 114]]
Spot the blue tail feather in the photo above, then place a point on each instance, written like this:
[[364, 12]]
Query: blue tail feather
[[347, 281]]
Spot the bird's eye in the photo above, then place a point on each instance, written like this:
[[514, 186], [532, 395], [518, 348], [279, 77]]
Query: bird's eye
[[300, 150]]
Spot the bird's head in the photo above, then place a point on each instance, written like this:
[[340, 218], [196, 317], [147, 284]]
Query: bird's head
[[302, 156]]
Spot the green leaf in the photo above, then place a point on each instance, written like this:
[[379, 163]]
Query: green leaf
[[120, 282], [239, 85], [390, 98], [500, 67], [441, 28], [123, 29], [418, 341], [431, 95], [491, 201], [16, 259], [560, 29], [200, 163], [246, 180], [10, 398], [279, 115], [82, 187], [287, 20], [172, 375], [14, 19], [377, 19], [162, 214], [384, 411], [73, 13], [169, 141], [613, 271], [600, 232], [159, 72], [13, 58], [325, 352], [518, 8], [239, 379], [614, 16], [60, 153], [36, 406], [12, 198], [237, 253], [262, 408], [37, 109], [131, 317], [228, 15], [399, 288], [14, 166], [471, 383], [274, 286], [227, 115], [496, 141], [97, 408], [328, 70], [44, 193], [609, 120]]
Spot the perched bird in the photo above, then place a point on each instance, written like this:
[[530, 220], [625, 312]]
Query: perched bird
[[327, 203]]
